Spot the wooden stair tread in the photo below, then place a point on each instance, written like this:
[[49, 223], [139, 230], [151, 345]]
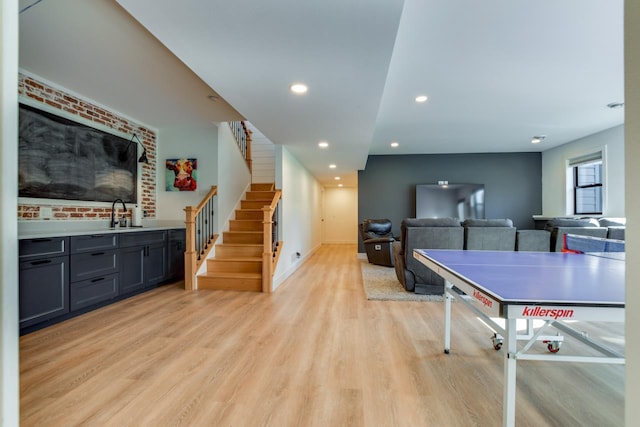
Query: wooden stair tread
[[231, 275], [236, 259], [262, 186]]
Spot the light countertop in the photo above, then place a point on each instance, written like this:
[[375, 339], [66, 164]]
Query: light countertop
[[43, 229]]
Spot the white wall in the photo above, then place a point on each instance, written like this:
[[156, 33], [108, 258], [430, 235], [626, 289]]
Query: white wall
[[233, 175], [262, 160], [554, 167], [178, 143], [300, 215], [632, 178], [9, 386], [340, 215]]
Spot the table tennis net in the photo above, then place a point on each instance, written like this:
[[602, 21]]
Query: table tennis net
[[576, 244]]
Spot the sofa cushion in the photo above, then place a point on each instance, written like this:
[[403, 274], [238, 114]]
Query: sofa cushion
[[430, 222], [377, 227], [490, 238], [533, 240], [572, 222], [612, 222], [616, 233], [426, 222], [487, 223]]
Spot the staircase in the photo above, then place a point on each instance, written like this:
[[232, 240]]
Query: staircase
[[237, 264]]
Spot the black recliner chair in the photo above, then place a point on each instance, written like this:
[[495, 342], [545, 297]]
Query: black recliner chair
[[377, 239]]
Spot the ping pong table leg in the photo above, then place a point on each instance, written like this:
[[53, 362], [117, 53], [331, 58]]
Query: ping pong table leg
[[509, 391], [447, 316]]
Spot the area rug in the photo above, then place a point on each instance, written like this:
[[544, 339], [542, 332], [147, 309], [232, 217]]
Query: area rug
[[381, 284]]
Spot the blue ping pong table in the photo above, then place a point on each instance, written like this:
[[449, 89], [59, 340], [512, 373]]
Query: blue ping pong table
[[552, 287]]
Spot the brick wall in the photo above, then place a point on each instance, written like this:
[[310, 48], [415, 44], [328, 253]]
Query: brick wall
[[84, 210]]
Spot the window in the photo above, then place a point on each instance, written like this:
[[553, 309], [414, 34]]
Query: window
[[588, 188], [587, 184]]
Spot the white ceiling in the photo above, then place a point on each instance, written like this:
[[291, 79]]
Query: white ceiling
[[496, 72], [95, 49]]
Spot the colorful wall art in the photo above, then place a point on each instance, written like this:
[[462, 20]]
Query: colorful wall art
[[181, 174]]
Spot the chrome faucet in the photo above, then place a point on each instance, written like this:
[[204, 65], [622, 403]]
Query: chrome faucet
[[123, 220]]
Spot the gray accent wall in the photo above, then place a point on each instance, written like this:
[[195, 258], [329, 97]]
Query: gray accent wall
[[513, 184]]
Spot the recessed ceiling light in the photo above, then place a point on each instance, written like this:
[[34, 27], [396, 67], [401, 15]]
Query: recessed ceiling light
[[394, 144], [616, 105], [421, 98], [332, 166], [538, 139], [337, 178], [323, 144], [340, 185], [298, 88]]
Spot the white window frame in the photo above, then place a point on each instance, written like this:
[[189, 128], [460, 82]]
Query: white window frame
[[581, 158]]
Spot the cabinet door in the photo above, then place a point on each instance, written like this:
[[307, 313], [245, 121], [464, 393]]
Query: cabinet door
[[44, 289], [175, 259], [155, 270], [131, 262]]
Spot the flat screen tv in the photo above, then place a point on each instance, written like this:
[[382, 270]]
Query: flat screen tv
[[62, 159], [463, 201]]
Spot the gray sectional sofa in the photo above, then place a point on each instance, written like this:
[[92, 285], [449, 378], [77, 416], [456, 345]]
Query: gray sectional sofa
[[610, 228], [482, 234], [424, 233]]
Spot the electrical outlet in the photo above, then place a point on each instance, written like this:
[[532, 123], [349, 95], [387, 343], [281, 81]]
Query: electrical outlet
[[45, 212]]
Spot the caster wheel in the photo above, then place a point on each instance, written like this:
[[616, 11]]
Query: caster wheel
[[553, 346], [496, 341]]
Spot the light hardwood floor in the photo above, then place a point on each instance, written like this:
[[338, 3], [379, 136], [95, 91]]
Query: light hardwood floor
[[314, 353]]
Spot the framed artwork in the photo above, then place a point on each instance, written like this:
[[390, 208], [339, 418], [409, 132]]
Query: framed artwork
[[181, 174]]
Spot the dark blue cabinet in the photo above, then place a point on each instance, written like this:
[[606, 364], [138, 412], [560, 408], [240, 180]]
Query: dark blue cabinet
[[131, 269], [143, 260], [175, 254], [94, 270], [43, 280], [61, 277]]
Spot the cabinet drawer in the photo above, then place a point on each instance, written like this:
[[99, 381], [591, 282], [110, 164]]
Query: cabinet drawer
[[142, 238], [93, 291], [94, 264], [92, 243], [38, 248], [177, 234]]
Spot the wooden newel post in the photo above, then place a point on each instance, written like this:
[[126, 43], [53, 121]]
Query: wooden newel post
[[267, 254], [248, 158], [190, 258]]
